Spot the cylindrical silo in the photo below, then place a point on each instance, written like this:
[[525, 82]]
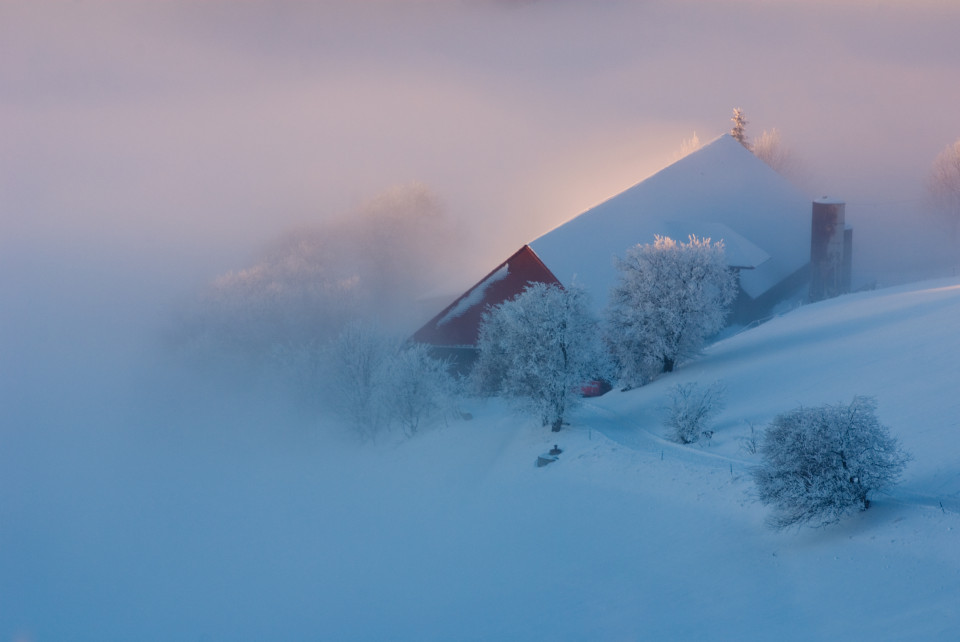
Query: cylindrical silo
[[827, 274]]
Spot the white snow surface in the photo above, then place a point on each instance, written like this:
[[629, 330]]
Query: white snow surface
[[135, 505], [722, 183]]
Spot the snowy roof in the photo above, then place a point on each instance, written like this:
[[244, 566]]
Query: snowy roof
[[829, 200], [721, 191], [459, 323], [740, 252]]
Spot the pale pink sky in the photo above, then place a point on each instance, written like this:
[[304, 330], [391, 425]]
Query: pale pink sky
[[226, 122]]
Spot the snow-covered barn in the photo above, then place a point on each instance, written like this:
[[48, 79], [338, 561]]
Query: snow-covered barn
[[721, 191]]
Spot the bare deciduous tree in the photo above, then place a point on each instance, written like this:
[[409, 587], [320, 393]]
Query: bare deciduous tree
[[944, 188]]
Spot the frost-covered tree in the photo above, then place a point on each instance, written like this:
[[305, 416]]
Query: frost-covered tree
[[692, 407], [419, 386], [374, 381], [821, 463], [358, 365], [689, 145], [739, 129], [943, 186], [304, 287], [769, 148], [669, 298], [540, 348]]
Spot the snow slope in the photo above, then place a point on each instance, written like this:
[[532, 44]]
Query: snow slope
[[138, 502], [900, 345]]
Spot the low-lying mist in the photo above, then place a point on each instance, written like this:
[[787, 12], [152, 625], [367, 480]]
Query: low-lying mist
[[153, 490], [383, 263], [111, 338]]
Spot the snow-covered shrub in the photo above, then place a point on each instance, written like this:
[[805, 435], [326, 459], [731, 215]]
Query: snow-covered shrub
[[419, 387], [821, 463], [692, 406], [669, 298], [540, 348]]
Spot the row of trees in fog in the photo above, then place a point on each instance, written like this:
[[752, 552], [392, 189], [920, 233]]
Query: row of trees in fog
[[543, 346], [305, 310], [817, 464], [302, 307], [538, 349]]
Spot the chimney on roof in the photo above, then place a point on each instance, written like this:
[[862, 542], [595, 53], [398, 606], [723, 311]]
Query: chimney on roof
[[831, 250]]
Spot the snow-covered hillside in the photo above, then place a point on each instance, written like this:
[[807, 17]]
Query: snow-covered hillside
[[137, 504]]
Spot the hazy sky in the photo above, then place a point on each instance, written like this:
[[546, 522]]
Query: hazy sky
[[214, 126]]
